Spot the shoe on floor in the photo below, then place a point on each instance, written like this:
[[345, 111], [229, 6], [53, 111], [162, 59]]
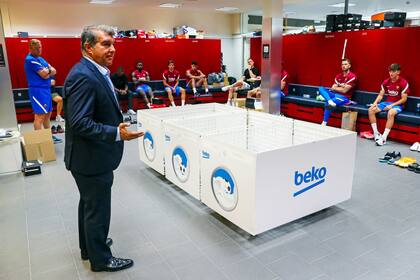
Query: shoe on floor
[[59, 118], [60, 129], [376, 137], [57, 140], [405, 162], [380, 142], [413, 166], [396, 157], [415, 147], [114, 264], [387, 157], [53, 129], [131, 112]]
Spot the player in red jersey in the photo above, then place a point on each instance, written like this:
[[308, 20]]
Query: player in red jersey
[[171, 81], [140, 76], [396, 90], [196, 78], [341, 91]]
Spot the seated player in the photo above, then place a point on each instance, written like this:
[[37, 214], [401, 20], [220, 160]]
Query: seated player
[[396, 90], [251, 79], [196, 78], [341, 91], [57, 99], [120, 81], [139, 76], [256, 92], [171, 83]]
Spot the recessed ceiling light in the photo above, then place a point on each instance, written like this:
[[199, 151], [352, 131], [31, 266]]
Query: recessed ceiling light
[[169, 5], [341, 5], [227, 9], [103, 2]]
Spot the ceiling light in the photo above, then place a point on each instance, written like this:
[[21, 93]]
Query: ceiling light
[[103, 2], [170, 5], [341, 5], [227, 9]]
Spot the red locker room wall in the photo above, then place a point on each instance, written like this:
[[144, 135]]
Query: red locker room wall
[[63, 53], [314, 59]]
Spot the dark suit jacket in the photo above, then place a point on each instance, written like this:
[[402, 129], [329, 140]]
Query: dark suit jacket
[[92, 117]]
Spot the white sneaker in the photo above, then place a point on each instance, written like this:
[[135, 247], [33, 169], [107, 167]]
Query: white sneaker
[[59, 118], [131, 112], [380, 142], [226, 88], [324, 124], [378, 136], [331, 103], [415, 147]]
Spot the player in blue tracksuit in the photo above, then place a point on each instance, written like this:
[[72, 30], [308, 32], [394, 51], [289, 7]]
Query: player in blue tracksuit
[[39, 73]]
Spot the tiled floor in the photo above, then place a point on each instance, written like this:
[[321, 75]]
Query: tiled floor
[[375, 235]]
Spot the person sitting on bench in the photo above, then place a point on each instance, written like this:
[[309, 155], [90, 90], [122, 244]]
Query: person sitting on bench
[[171, 83], [196, 78], [256, 92], [139, 77], [251, 79], [396, 90], [341, 91]]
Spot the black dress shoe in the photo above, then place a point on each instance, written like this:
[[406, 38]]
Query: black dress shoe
[[114, 264], [108, 243]]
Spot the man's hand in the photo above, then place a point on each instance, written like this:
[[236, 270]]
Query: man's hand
[[374, 106], [127, 135], [387, 108]]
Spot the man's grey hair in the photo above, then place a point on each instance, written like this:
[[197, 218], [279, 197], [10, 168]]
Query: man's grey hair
[[90, 35]]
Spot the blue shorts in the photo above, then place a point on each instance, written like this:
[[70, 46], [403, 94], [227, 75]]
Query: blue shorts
[[177, 90], [382, 105], [145, 88], [41, 100]]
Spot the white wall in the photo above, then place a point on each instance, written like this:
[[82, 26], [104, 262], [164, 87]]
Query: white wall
[[232, 49], [64, 18]]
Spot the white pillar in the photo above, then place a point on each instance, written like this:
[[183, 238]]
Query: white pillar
[[272, 41]]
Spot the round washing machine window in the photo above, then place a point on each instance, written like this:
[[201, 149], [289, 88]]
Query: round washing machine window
[[149, 146], [181, 164], [224, 188]]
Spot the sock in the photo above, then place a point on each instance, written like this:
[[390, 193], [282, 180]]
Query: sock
[[375, 129], [386, 132], [331, 103], [173, 103], [182, 102], [323, 123], [148, 105], [207, 90], [194, 90], [228, 102]]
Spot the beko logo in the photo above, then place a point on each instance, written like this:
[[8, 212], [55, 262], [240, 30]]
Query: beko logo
[[313, 177], [205, 155], [167, 138]]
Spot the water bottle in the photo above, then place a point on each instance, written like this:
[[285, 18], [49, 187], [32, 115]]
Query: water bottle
[[418, 108]]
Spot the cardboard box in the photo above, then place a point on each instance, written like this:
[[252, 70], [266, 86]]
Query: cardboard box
[[38, 145]]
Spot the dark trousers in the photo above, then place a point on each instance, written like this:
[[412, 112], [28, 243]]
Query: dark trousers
[[94, 215], [129, 97]]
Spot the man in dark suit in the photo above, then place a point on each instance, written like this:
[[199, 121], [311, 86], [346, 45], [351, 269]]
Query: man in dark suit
[[94, 144]]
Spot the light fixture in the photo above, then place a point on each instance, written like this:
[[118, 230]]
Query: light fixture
[[227, 9], [169, 5], [102, 2], [341, 5]]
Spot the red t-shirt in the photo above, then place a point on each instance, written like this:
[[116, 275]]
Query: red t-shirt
[[349, 79], [141, 74], [284, 78], [393, 90], [171, 77], [194, 73]]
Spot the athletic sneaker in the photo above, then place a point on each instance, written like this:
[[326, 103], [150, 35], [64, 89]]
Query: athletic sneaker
[[380, 142], [405, 162], [331, 103], [387, 157], [415, 147], [226, 88], [53, 130], [413, 166], [57, 140], [131, 112], [60, 129], [59, 118], [394, 158]]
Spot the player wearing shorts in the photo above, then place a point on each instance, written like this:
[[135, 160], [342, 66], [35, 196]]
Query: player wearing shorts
[[341, 91], [396, 90], [38, 73], [139, 77], [251, 79], [57, 99], [171, 81], [256, 92], [196, 78]]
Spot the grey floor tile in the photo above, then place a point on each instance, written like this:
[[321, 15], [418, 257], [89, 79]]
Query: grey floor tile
[[309, 249], [22, 274], [339, 267], [225, 253], [347, 246], [43, 226], [201, 269], [158, 271], [55, 258], [63, 273], [292, 267], [143, 255], [166, 236], [181, 255], [248, 269]]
